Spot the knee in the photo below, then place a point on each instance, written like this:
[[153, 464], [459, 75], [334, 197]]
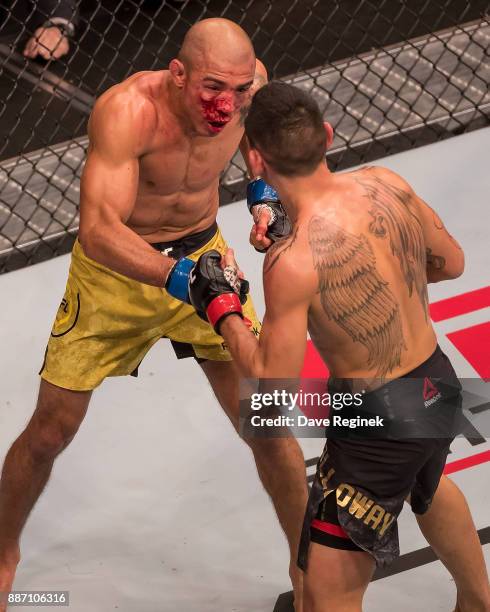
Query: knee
[[49, 433], [46, 440]]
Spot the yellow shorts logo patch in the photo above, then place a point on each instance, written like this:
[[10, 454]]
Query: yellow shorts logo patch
[[67, 315]]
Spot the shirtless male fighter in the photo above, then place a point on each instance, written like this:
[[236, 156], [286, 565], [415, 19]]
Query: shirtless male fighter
[[353, 272], [149, 200]]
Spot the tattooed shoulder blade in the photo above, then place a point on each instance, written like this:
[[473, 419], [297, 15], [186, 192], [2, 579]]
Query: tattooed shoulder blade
[[392, 218], [354, 295]]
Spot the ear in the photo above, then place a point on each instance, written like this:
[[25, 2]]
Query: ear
[[256, 162], [329, 132], [177, 72]]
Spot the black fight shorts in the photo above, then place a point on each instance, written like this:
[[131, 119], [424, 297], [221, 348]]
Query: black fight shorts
[[361, 482]]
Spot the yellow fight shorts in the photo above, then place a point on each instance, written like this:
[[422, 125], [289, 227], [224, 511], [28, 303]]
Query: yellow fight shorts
[[106, 322]]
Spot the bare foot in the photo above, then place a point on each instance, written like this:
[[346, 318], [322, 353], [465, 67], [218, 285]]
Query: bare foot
[[8, 564], [296, 576]]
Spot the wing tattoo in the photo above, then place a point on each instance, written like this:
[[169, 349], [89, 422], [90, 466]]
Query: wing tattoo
[[354, 295], [392, 217], [277, 248]]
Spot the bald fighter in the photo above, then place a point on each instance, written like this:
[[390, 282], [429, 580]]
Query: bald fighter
[[354, 272], [149, 199]]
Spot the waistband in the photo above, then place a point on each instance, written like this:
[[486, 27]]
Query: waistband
[[436, 360], [426, 365], [434, 374], [424, 403], [182, 247]]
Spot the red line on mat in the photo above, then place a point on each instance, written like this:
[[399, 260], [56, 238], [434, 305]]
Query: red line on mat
[[460, 304], [467, 462]]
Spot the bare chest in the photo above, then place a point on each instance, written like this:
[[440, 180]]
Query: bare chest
[[183, 167]]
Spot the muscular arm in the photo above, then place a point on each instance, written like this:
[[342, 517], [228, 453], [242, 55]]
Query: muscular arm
[[445, 257], [259, 81], [108, 190], [279, 353]]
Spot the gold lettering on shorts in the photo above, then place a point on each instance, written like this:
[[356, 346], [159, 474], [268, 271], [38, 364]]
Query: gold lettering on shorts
[[360, 505], [325, 479], [375, 515], [387, 520], [324, 456], [349, 492]]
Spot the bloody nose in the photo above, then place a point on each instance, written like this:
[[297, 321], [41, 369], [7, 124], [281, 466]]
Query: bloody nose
[[224, 105]]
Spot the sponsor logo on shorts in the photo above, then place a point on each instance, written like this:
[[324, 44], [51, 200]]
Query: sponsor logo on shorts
[[430, 393], [67, 315]]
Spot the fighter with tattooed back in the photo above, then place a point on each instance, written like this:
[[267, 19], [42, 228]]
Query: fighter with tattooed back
[[353, 272]]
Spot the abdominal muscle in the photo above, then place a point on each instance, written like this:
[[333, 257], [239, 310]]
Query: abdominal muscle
[[164, 218]]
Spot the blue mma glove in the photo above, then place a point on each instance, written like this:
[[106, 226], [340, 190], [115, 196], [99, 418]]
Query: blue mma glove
[[177, 284], [260, 194]]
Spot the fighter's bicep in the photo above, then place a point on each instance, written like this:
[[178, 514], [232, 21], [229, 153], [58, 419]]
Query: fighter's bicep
[[283, 337], [110, 184], [285, 326], [108, 190], [110, 178], [443, 251]]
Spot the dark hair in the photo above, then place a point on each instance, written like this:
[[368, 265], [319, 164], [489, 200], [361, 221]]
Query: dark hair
[[285, 124]]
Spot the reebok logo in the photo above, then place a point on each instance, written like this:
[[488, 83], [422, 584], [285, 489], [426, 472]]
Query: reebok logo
[[430, 393]]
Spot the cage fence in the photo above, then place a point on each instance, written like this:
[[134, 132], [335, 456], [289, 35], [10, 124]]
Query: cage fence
[[389, 75]]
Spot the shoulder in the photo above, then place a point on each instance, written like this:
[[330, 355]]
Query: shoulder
[[288, 265], [132, 97], [280, 255], [125, 114], [385, 175]]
